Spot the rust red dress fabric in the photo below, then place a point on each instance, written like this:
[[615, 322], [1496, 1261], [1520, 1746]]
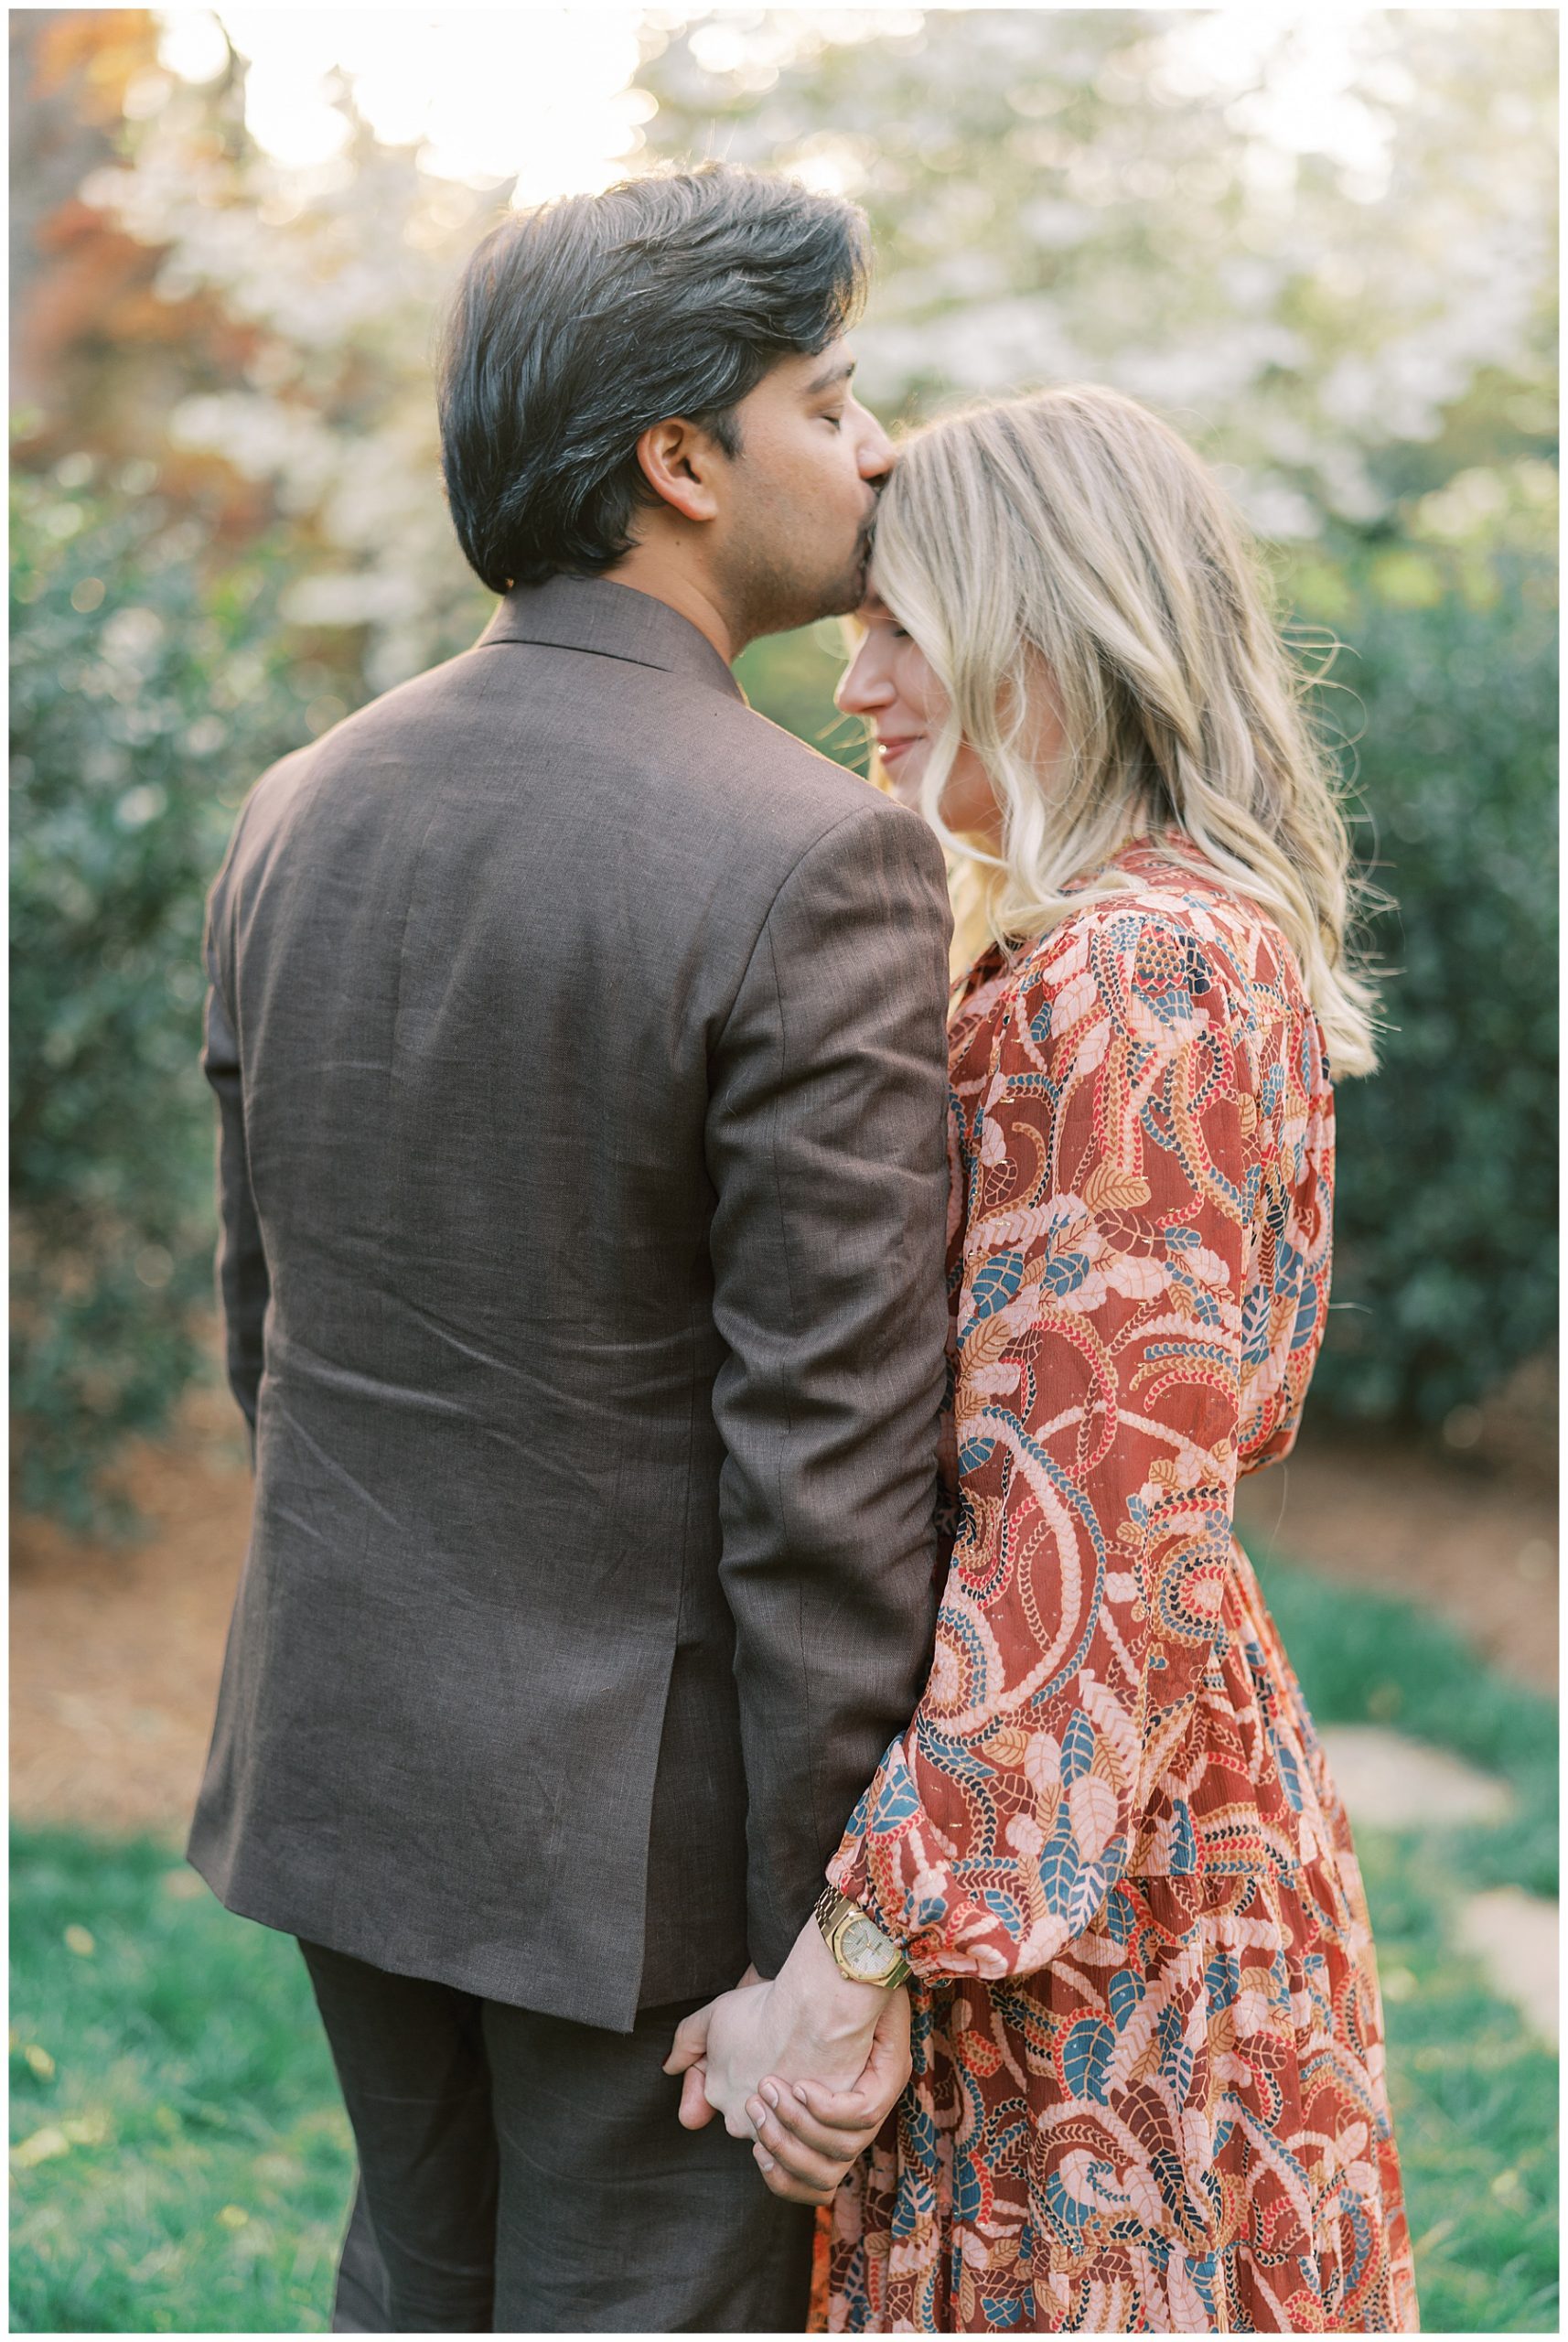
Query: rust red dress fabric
[[1148, 2090]]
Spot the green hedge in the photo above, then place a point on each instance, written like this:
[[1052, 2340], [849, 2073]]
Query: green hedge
[[1445, 1217], [143, 702]]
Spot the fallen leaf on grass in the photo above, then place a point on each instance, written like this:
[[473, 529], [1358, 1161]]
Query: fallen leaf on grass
[[59, 2138], [40, 2147]]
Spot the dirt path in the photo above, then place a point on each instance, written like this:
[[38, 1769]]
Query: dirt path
[[1478, 1548], [115, 1651]]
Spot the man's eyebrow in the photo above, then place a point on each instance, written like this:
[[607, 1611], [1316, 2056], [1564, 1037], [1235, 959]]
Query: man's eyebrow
[[831, 375]]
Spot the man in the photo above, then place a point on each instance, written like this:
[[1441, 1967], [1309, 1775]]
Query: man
[[578, 1040]]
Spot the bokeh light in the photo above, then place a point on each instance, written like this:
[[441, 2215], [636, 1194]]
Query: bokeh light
[[485, 93]]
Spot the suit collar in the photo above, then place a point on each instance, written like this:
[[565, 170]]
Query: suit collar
[[611, 621]]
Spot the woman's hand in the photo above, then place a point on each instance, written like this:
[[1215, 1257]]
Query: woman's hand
[[809, 2023], [808, 2137]]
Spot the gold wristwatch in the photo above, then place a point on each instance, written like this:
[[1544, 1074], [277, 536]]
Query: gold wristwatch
[[863, 1952]]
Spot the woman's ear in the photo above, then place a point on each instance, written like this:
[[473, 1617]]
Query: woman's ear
[[679, 461]]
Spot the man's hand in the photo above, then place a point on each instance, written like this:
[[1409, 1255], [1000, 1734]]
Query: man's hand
[[809, 2023], [808, 2137]]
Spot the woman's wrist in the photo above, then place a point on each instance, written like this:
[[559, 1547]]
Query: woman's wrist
[[835, 2005]]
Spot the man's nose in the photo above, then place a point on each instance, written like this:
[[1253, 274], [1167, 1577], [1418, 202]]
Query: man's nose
[[875, 448]]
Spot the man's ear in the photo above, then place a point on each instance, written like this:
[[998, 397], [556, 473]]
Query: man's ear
[[681, 464]]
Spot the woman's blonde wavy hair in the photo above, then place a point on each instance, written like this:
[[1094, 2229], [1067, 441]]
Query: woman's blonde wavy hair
[[1072, 539]]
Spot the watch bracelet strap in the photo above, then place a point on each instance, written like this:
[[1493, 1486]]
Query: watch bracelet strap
[[830, 1906]]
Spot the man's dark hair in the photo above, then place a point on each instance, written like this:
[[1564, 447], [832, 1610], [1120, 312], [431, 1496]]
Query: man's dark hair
[[579, 325]]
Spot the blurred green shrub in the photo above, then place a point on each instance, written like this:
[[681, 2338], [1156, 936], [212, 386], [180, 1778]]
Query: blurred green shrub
[[1446, 1218], [145, 700]]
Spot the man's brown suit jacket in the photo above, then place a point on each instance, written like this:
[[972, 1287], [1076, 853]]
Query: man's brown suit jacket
[[578, 1037]]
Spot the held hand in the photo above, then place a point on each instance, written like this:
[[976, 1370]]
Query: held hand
[[725, 2042], [808, 2137], [687, 2057], [811, 2022]]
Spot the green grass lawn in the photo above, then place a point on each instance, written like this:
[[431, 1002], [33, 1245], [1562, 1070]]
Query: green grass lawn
[[181, 2162], [1474, 2091], [185, 2160]]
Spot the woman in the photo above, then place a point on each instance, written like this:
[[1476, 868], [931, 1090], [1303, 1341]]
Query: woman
[[1148, 2085]]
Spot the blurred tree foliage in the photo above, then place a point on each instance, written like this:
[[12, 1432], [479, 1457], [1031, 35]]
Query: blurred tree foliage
[[142, 701], [1322, 248], [1446, 1252]]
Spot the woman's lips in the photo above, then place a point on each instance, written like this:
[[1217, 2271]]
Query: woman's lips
[[891, 750]]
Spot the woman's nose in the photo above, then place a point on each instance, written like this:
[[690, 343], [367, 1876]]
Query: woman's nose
[[861, 687]]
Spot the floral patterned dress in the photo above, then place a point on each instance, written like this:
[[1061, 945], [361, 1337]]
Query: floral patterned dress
[[1148, 2089]]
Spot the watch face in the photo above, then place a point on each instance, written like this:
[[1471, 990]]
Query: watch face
[[865, 1948]]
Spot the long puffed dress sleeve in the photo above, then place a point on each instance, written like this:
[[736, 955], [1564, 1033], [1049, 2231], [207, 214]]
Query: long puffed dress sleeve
[[1148, 2085]]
